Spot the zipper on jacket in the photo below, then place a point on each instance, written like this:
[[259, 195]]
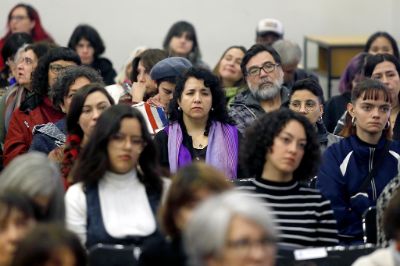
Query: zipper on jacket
[[371, 165]]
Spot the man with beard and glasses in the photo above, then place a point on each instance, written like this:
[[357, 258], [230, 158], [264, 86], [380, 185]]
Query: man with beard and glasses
[[261, 67]]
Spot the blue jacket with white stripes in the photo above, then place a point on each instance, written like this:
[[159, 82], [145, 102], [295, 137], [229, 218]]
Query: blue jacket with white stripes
[[344, 168]]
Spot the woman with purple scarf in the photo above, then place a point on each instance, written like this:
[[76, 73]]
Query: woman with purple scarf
[[199, 128]]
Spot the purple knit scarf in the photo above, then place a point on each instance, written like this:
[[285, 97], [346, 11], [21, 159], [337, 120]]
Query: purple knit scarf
[[222, 150]]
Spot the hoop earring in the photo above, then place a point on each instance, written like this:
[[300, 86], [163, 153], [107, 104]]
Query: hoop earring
[[353, 121], [387, 126]]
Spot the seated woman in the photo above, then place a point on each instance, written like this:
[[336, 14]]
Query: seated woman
[[231, 229], [16, 219], [281, 150], [229, 72], [199, 126], [355, 170], [119, 190], [87, 43], [50, 244], [47, 137], [86, 106], [34, 175], [306, 98], [191, 185], [382, 42]]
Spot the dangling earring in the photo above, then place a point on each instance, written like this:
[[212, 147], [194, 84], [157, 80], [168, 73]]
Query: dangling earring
[[387, 126], [353, 121]]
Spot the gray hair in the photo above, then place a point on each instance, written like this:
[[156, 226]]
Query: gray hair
[[205, 234], [33, 174], [289, 51]]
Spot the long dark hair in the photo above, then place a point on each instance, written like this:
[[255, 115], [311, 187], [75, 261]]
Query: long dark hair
[[94, 161], [176, 30], [219, 112], [386, 35], [75, 133], [89, 33]]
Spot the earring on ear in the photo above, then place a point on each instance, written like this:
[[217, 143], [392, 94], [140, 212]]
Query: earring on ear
[[179, 108], [353, 121], [387, 126], [212, 108]]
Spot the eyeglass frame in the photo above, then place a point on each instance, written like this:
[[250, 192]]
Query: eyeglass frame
[[245, 245], [58, 69], [266, 64]]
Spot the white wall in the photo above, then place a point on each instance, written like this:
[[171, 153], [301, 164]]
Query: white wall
[[126, 24]]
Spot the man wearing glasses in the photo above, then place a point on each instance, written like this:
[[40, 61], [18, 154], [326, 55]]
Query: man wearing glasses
[[261, 67]]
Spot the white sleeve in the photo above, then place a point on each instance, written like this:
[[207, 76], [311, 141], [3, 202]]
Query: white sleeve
[[76, 211]]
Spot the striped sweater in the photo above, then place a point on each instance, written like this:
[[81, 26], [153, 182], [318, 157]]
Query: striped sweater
[[303, 217]]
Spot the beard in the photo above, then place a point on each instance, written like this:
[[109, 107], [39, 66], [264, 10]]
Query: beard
[[266, 90]]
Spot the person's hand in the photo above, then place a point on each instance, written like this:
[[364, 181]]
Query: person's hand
[[138, 91], [56, 155]]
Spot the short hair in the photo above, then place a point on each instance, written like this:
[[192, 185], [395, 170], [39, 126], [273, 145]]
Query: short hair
[[256, 49], [67, 79], [367, 89], [289, 51], [310, 85], [94, 160], [41, 244], [33, 174], [219, 112], [176, 30], [386, 35], [185, 183], [206, 232], [391, 221], [13, 42], [90, 34], [374, 60], [11, 200], [353, 69], [40, 80], [149, 58], [260, 137], [240, 82]]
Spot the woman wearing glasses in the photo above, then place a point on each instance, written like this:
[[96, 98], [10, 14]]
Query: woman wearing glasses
[[37, 108], [119, 190], [355, 170], [306, 98], [199, 126]]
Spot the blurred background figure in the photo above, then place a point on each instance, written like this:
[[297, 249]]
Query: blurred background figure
[[231, 229], [268, 31], [16, 220], [88, 44], [229, 72], [190, 186], [24, 18], [181, 40], [51, 245], [381, 42]]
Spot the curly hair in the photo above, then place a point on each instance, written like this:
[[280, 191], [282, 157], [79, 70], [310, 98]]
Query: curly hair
[[219, 112], [90, 34], [75, 133], [94, 160], [67, 79], [40, 80], [260, 137]]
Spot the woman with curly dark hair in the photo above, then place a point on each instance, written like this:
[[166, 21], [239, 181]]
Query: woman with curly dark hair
[[119, 189], [280, 151], [86, 106], [200, 128], [37, 109]]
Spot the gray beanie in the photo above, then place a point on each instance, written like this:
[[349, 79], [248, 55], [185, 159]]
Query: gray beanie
[[170, 67]]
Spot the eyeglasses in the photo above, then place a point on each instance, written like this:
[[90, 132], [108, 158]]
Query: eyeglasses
[[56, 69], [18, 18], [309, 105], [268, 67], [243, 246], [121, 139], [26, 60]]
